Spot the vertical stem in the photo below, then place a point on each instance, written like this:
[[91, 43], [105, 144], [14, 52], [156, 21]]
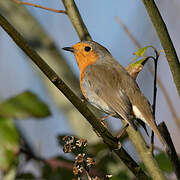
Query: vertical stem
[[165, 39], [154, 95]]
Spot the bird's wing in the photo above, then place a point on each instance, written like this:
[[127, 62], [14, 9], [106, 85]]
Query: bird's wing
[[106, 83]]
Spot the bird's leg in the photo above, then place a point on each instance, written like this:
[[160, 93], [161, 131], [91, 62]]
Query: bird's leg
[[103, 123], [122, 131], [106, 117]]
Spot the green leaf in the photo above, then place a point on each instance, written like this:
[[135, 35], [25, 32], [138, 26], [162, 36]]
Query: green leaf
[[74, 151], [9, 143], [139, 62], [24, 105], [140, 52], [164, 162]]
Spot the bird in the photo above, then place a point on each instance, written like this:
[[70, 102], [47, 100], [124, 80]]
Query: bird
[[108, 86]]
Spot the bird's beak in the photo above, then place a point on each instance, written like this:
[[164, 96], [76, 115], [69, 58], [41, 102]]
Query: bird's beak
[[71, 49]]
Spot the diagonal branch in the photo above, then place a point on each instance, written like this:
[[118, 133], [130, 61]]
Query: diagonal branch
[[108, 138]]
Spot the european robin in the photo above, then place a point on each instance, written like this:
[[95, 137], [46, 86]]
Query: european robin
[[108, 86]]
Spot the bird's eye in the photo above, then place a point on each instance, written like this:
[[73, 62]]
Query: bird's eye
[[87, 48]]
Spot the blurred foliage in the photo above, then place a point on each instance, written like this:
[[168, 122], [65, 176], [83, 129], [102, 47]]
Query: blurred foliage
[[9, 143], [164, 163], [24, 105]]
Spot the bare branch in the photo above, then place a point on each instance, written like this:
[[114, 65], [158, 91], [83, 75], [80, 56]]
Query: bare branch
[[38, 6]]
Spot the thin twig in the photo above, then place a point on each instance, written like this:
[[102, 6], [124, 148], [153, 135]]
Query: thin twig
[[80, 105], [38, 6], [154, 95]]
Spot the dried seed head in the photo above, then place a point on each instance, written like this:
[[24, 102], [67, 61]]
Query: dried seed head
[[68, 139], [90, 162], [79, 158], [77, 169], [67, 148], [81, 142]]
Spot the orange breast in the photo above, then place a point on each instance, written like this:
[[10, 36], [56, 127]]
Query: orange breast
[[83, 62]]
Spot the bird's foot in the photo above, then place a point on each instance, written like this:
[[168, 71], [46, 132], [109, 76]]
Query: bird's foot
[[121, 133], [118, 146]]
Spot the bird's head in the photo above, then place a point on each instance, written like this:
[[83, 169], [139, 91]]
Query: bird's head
[[87, 53]]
